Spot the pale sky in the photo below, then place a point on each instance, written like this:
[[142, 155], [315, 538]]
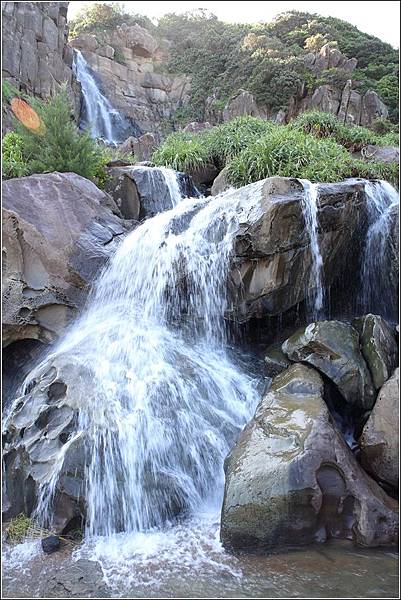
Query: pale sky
[[381, 19]]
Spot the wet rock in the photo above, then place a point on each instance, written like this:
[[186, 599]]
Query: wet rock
[[379, 441], [275, 361], [291, 480], [41, 424], [204, 174], [50, 544], [332, 347], [58, 231], [378, 346], [272, 264]]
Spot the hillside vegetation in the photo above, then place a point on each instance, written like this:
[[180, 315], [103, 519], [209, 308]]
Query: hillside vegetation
[[265, 58]]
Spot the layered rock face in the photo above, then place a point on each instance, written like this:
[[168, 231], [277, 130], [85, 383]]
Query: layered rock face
[[272, 267], [58, 231], [126, 66], [291, 479], [36, 57]]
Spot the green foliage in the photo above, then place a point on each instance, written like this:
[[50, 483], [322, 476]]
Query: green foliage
[[267, 59], [13, 161], [18, 528], [183, 152], [100, 16], [61, 147], [289, 153], [354, 138]]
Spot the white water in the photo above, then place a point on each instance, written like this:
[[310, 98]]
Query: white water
[[101, 118], [310, 209], [376, 290], [169, 401]]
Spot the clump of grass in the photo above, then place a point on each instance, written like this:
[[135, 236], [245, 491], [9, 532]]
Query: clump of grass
[[183, 152], [18, 528], [288, 153]]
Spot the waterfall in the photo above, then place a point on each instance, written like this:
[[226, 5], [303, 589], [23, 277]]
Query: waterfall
[[309, 210], [98, 115], [165, 400], [378, 291]]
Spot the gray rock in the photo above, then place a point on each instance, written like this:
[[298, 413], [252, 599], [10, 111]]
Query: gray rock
[[57, 233], [332, 347], [272, 263], [378, 346], [291, 480], [275, 361], [379, 441], [386, 154], [220, 184]]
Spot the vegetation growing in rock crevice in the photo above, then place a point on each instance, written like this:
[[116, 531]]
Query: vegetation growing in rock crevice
[[314, 146]]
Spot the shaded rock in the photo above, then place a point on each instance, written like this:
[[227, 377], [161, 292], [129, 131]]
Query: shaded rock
[[50, 544], [291, 480], [243, 104], [205, 174], [154, 188], [142, 147], [272, 263], [124, 192], [378, 346], [196, 127], [333, 348], [58, 231], [379, 441], [275, 361], [220, 184], [372, 108]]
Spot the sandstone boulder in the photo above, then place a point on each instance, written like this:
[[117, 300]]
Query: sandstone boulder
[[291, 480], [379, 441], [378, 346], [58, 231], [332, 347]]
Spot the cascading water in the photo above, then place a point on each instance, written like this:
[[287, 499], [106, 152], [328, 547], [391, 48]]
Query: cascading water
[[98, 115], [378, 291], [309, 210], [166, 401]]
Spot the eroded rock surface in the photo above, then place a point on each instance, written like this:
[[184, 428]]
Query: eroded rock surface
[[58, 231], [291, 479]]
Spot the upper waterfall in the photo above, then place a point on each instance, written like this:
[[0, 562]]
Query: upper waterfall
[[98, 115]]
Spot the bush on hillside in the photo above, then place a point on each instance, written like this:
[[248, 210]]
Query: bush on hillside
[[183, 152], [100, 16]]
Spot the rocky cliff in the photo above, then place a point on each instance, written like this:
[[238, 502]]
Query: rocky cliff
[[36, 56]]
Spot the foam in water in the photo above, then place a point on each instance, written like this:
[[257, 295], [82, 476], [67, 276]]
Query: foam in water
[[102, 119], [166, 402], [377, 293], [309, 209]]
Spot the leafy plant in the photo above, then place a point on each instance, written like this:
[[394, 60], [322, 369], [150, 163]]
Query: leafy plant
[[13, 164], [100, 16], [183, 152]]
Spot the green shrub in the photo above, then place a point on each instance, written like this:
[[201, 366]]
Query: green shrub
[[375, 170], [60, 147], [183, 152], [100, 16], [14, 164], [289, 153], [227, 140]]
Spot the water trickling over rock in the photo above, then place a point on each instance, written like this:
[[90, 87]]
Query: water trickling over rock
[[379, 284], [309, 210]]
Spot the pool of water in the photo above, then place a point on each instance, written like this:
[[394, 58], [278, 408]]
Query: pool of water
[[189, 562]]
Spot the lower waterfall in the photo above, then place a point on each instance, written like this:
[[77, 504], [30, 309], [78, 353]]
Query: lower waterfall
[[166, 400]]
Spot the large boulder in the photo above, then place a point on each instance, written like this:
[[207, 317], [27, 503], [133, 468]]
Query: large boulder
[[291, 480], [379, 441], [378, 346], [332, 347], [58, 231], [272, 268]]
